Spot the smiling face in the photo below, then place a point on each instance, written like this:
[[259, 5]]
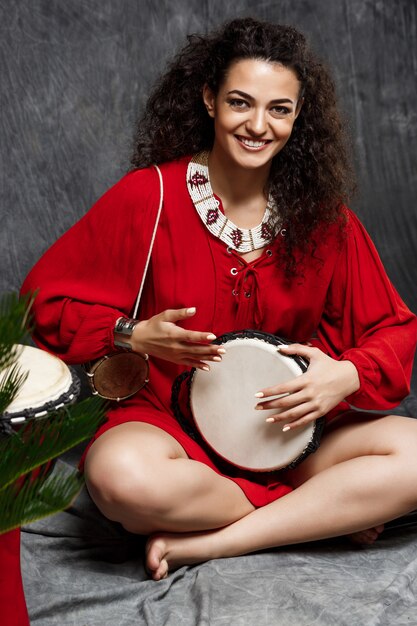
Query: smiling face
[[254, 112]]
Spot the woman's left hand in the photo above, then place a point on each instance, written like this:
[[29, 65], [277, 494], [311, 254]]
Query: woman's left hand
[[313, 394]]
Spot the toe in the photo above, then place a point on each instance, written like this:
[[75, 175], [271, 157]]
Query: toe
[[162, 571], [361, 538], [155, 552], [367, 537]]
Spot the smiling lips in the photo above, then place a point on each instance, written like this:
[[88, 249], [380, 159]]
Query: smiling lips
[[253, 144]]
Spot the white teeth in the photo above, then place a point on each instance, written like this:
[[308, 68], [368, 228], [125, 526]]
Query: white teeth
[[251, 143]]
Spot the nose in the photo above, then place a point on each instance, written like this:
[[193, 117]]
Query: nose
[[256, 123]]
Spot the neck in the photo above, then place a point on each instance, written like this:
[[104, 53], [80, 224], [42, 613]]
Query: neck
[[234, 184]]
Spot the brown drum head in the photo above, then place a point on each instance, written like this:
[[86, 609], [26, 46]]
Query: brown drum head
[[121, 375]]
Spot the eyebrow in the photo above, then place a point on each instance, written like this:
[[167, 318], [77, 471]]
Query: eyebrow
[[249, 97]]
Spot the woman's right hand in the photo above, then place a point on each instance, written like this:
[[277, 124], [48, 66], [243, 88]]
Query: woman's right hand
[[160, 336]]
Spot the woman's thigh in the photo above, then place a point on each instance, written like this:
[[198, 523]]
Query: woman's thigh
[[355, 434], [140, 476]]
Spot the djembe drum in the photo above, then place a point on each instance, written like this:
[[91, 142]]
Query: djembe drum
[[222, 402], [50, 384]]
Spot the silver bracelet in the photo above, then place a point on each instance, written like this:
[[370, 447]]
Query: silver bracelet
[[124, 326]]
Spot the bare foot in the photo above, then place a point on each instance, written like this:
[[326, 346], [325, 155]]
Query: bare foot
[[166, 552], [366, 537], [169, 551]]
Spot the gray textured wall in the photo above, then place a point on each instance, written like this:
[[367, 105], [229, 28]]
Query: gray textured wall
[[75, 72]]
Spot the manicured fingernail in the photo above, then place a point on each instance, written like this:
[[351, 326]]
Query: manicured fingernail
[[270, 419], [205, 368], [210, 337], [221, 351], [217, 358], [191, 310], [259, 394], [286, 428], [259, 407]]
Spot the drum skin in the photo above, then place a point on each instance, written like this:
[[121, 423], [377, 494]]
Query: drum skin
[[223, 403], [49, 385], [118, 376]]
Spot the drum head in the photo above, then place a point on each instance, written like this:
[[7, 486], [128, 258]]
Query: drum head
[[48, 384], [121, 375], [223, 405]]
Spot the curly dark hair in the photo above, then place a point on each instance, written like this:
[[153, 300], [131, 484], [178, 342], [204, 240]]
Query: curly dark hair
[[311, 177]]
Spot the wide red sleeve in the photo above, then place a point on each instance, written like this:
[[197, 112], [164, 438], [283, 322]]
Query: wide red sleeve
[[366, 322], [91, 275]]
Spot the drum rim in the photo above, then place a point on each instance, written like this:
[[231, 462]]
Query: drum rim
[[274, 340], [66, 398]]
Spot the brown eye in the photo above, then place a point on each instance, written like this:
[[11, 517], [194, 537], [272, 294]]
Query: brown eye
[[280, 111], [238, 103]]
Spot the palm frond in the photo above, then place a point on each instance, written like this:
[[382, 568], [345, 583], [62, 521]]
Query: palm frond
[[11, 381], [35, 499], [14, 315], [46, 438], [27, 495]]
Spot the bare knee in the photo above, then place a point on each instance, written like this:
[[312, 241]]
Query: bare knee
[[116, 481], [405, 454], [128, 490], [126, 471], [393, 439], [397, 453]]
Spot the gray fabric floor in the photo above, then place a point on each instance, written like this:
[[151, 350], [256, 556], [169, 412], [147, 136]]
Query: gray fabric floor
[[81, 570]]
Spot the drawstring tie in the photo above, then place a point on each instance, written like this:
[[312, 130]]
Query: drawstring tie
[[247, 294]]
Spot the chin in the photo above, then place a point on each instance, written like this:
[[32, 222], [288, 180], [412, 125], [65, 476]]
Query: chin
[[252, 161]]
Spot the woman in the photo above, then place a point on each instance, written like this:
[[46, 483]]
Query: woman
[[246, 119]]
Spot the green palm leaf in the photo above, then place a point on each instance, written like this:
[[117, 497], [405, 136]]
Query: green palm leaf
[[14, 313], [47, 438], [35, 499], [26, 496], [10, 385]]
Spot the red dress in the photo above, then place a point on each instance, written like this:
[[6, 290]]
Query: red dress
[[343, 300]]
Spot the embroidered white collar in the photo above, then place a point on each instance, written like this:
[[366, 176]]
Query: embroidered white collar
[[207, 206]]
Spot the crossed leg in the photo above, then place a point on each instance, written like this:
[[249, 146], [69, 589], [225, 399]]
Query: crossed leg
[[363, 475], [140, 476]]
